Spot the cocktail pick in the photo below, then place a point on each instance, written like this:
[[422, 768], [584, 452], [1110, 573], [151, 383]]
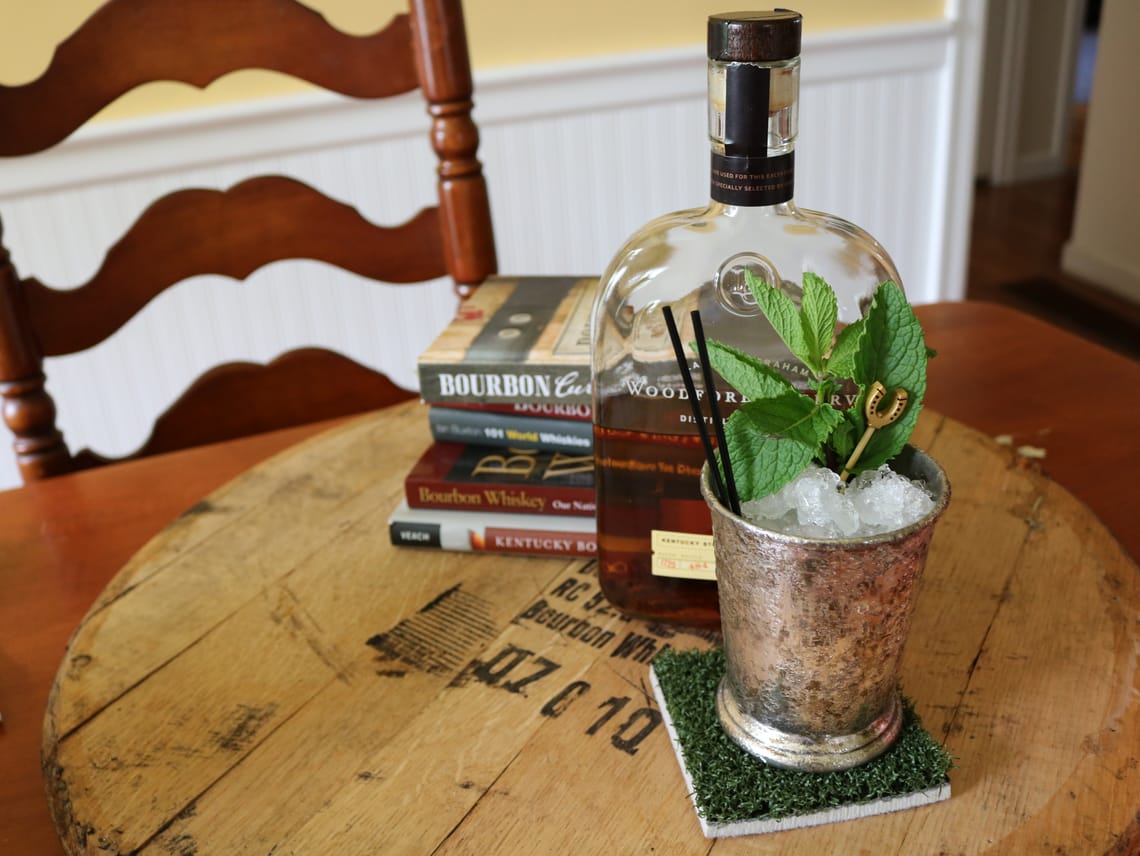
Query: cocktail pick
[[876, 418]]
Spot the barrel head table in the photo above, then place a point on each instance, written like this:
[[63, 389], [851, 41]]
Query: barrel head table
[[269, 675]]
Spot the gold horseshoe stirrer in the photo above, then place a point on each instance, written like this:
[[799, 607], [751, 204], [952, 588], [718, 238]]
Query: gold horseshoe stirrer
[[877, 417]]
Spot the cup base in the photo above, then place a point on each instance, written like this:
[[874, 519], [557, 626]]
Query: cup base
[[822, 754]]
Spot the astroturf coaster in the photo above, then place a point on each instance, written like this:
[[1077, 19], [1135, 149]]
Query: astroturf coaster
[[737, 794]]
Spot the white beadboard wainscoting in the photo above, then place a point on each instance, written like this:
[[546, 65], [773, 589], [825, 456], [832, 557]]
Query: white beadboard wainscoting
[[578, 155]]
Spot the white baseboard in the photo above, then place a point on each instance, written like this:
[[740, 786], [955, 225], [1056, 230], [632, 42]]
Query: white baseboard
[[1103, 273], [577, 154]]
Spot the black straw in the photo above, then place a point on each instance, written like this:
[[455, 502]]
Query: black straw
[[714, 407], [686, 376]]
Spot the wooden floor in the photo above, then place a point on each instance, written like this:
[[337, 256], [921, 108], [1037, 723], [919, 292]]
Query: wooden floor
[[1015, 258]]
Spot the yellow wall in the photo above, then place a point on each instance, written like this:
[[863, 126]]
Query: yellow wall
[[500, 32]]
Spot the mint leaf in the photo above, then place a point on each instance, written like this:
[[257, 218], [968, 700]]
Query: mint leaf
[[818, 313], [786, 415], [824, 420], [763, 463], [747, 375], [772, 440], [892, 351], [781, 312], [841, 362], [846, 436]]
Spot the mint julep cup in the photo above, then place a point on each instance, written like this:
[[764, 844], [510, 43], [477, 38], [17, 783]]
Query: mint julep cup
[[814, 630]]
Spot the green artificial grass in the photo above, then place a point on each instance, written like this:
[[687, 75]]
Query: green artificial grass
[[731, 786]]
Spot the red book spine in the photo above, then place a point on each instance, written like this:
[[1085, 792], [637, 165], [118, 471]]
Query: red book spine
[[513, 500], [460, 477]]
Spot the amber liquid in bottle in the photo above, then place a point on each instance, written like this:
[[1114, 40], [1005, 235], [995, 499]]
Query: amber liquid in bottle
[[658, 495]]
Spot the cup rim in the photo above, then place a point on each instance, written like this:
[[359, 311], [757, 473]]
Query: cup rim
[[941, 501]]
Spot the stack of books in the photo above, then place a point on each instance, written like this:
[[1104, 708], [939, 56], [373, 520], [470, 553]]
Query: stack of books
[[510, 465]]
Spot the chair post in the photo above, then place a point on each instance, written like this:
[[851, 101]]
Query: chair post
[[444, 69], [27, 407]]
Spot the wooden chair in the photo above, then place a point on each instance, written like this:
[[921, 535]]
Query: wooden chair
[[238, 230]]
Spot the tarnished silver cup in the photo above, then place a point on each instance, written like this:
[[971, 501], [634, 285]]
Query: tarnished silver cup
[[814, 631]]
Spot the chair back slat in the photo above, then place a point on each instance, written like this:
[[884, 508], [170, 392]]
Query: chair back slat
[[131, 43], [302, 386], [234, 232]]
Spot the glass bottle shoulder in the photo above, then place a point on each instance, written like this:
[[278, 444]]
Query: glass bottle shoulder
[[672, 255], [697, 260]]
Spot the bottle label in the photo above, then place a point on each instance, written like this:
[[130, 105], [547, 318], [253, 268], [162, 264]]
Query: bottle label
[[752, 181], [684, 555]]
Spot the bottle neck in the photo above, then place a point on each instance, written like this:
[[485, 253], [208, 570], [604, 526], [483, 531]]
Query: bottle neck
[[753, 122]]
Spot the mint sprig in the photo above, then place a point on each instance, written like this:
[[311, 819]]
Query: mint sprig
[[780, 431], [893, 352]]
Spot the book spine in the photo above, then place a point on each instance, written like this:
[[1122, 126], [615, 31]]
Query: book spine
[[578, 412], [459, 425], [537, 383], [464, 537], [512, 499]]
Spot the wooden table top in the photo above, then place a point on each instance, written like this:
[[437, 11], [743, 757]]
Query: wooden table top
[[168, 730]]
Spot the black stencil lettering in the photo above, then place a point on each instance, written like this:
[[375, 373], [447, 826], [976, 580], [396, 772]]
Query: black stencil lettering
[[636, 647], [627, 739], [545, 667], [570, 693], [570, 589], [501, 664], [615, 705]]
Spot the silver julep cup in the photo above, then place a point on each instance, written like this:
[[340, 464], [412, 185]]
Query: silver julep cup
[[814, 631]]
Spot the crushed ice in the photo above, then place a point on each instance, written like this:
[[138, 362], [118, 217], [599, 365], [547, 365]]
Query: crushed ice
[[814, 506]]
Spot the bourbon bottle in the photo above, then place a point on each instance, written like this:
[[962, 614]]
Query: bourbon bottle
[[653, 526]]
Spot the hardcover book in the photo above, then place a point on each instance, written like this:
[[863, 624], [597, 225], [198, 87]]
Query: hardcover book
[[457, 425], [516, 340], [493, 532], [579, 412], [459, 477]]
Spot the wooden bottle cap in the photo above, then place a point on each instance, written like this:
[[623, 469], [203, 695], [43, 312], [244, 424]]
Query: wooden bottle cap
[[754, 36]]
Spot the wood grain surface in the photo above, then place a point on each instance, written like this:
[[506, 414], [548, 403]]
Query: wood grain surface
[[269, 675], [61, 541]]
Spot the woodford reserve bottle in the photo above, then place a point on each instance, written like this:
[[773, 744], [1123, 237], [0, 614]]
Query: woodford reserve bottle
[[646, 445]]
